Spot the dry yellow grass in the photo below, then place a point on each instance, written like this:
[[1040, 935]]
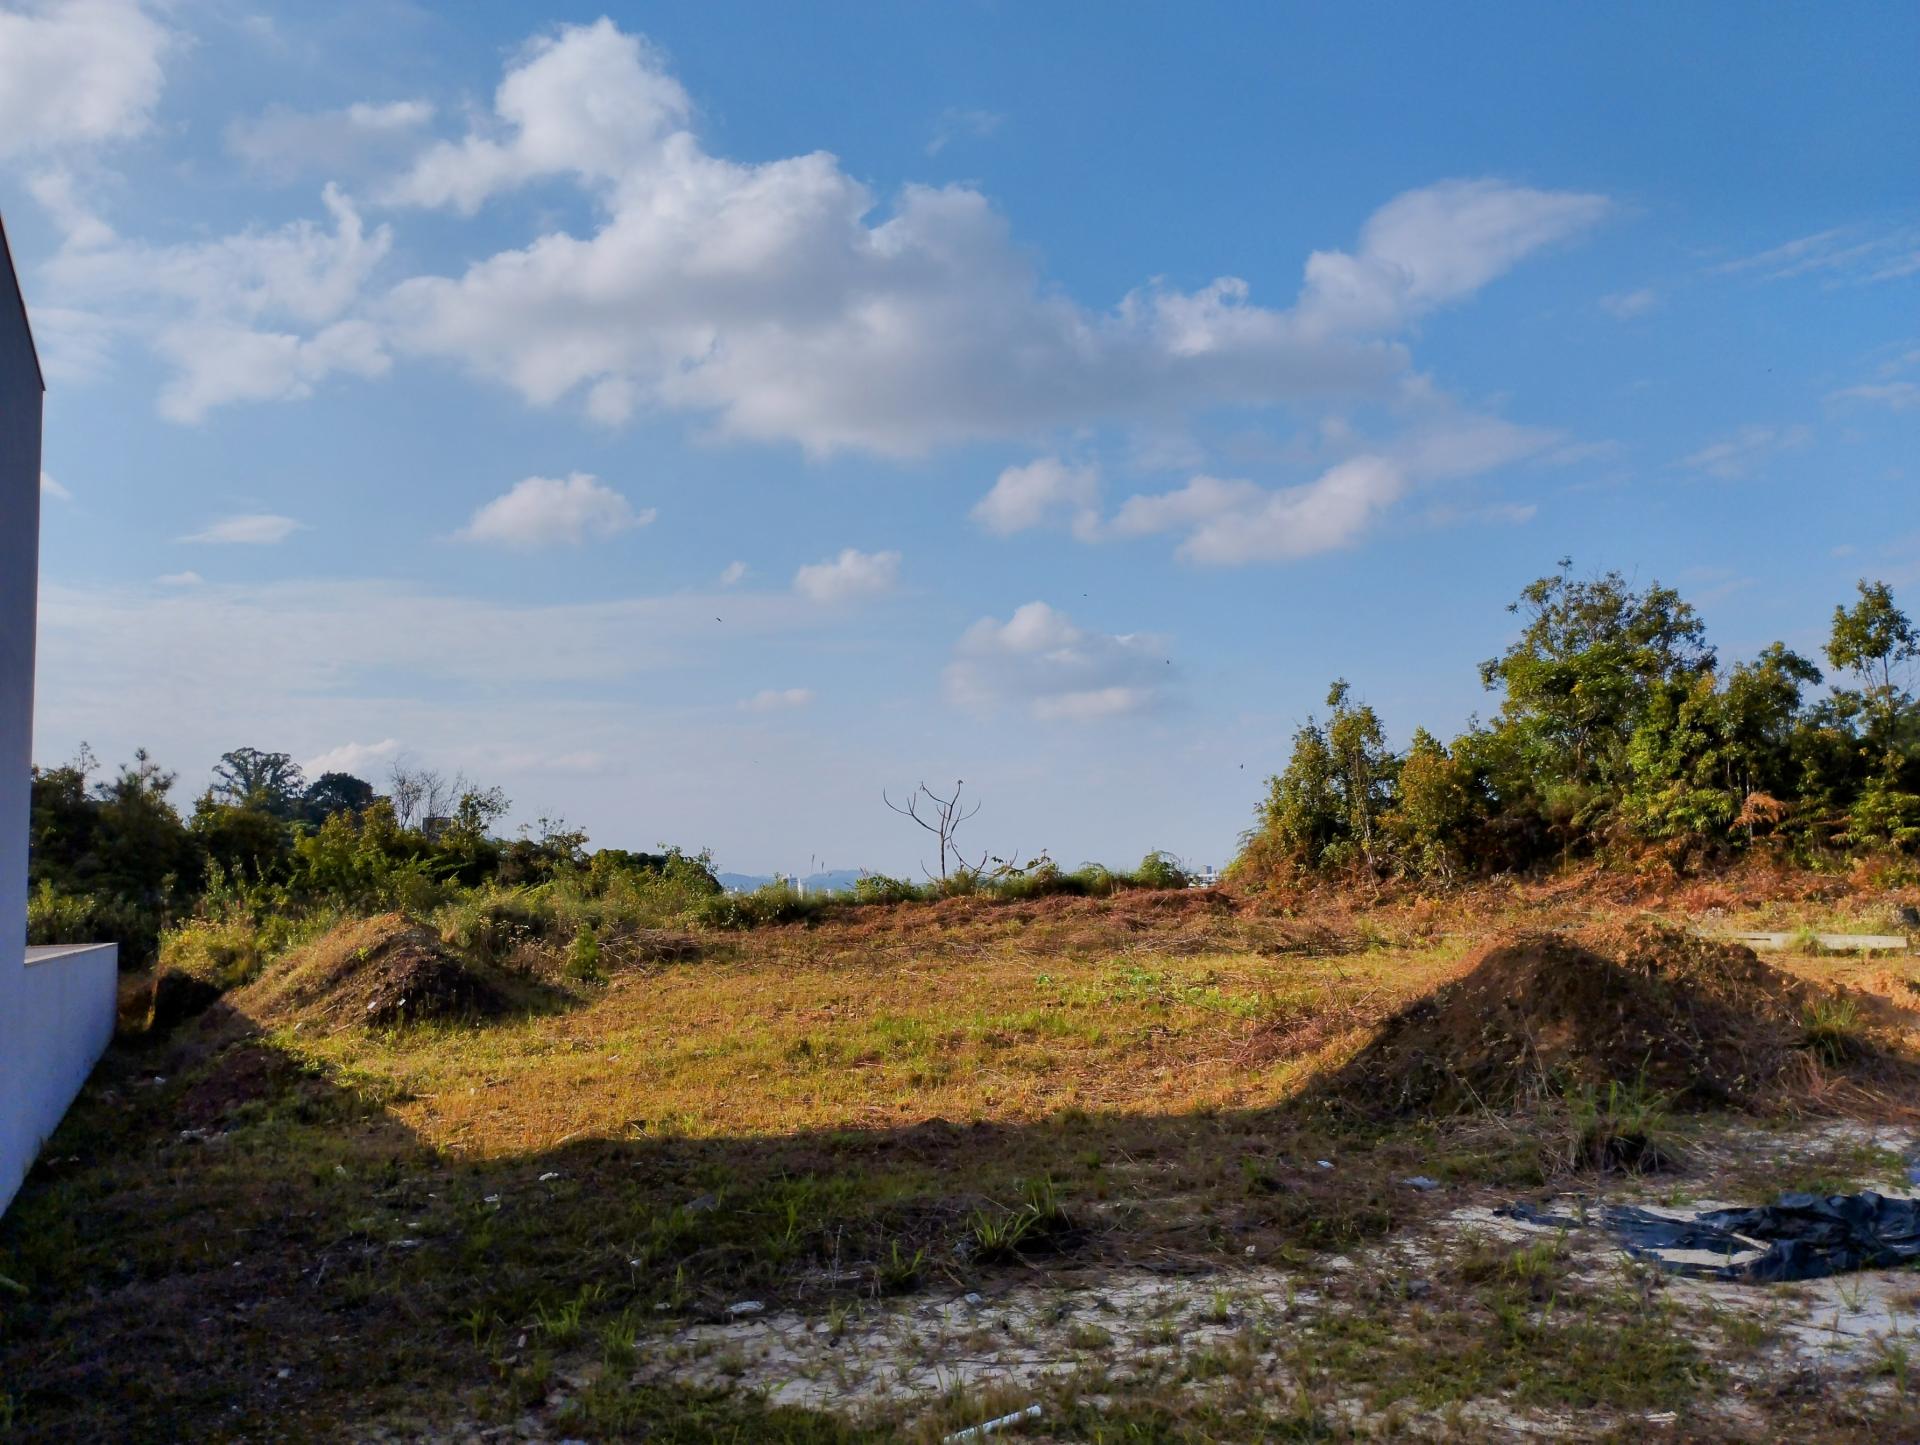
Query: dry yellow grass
[[794, 1030]]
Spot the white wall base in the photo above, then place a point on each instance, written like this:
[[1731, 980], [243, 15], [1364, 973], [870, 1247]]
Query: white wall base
[[63, 1004]]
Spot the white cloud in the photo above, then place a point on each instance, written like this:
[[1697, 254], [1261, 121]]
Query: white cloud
[[1625, 305], [181, 579], [850, 575], [1231, 522], [285, 142], [50, 488], [778, 699], [1842, 254], [773, 298], [955, 123], [355, 758], [542, 511], [255, 316], [733, 574], [1897, 395], [1038, 493], [253, 529], [583, 101], [1429, 247], [1039, 660], [1747, 449], [77, 73]]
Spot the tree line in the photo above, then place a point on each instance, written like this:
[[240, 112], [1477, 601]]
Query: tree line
[[1618, 733], [112, 857]]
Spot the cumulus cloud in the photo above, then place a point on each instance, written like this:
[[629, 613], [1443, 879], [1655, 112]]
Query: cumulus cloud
[[284, 142], [77, 73], [1041, 492], [782, 300], [1040, 661], [50, 488], [1747, 450], [542, 511], [733, 574], [1231, 522], [853, 574], [778, 699], [180, 579], [255, 316], [585, 101], [253, 529], [355, 758]]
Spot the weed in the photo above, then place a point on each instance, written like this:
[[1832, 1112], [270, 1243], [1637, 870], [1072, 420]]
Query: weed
[[565, 1324], [996, 1236], [899, 1272], [1622, 1128], [1831, 1031], [619, 1345]]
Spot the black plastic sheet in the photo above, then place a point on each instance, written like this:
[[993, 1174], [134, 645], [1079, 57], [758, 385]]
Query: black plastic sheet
[[1799, 1236]]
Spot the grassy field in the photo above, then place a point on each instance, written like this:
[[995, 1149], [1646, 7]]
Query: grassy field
[[956, 1157]]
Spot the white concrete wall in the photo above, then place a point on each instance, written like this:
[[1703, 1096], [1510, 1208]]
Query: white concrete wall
[[56, 1013], [60, 1020]]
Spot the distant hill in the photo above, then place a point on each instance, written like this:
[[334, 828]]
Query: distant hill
[[837, 880]]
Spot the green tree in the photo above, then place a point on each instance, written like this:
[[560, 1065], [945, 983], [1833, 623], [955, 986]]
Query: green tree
[[332, 793], [1877, 643], [1362, 770], [251, 778], [1590, 659], [1433, 810]]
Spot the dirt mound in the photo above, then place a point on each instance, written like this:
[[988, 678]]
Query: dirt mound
[[1705, 1023], [376, 972]]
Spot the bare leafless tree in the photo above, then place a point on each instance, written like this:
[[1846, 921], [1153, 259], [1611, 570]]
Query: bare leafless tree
[[941, 817], [407, 787]]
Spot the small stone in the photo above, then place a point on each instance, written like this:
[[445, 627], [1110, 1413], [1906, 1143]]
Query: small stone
[[744, 1308], [550, 1175], [972, 1298], [1324, 1163], [1420, 1181], [705, 1204]]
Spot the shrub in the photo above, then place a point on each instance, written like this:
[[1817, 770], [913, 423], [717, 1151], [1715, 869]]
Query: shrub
[[1160, 870], [879, 888], [55, 916], [777, 902]]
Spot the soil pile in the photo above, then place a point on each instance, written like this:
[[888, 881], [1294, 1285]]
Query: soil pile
[[376, 972], [1705, 1023]]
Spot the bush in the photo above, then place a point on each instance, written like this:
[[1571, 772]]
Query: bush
[[230, 947], [775, 903], [879, 888], [54, 916], [1160, 870], [493, 923]]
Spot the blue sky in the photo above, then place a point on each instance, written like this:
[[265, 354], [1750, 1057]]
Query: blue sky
[[697, 417]]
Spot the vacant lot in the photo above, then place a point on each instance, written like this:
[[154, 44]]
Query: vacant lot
[[918, 1167]]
